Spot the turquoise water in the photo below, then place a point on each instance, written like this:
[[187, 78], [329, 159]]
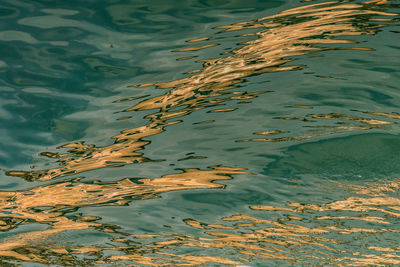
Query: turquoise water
[[214, 133]]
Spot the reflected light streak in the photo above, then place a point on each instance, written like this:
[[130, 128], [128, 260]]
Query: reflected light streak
[[297, 233], [280, 37]]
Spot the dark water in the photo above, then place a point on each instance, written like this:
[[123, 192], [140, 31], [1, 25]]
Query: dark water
[[215, 133]]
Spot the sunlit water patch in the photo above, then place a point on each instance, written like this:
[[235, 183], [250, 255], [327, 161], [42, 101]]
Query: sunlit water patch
[[269, 137]]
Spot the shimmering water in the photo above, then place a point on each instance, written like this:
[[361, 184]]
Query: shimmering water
[[169, 133]]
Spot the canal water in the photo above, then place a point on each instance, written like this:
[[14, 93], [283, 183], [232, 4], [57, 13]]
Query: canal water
[[199, 132]]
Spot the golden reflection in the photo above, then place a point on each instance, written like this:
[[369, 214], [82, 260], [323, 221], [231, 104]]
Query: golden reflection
[[280, 37], [48, 204], [354, 123], [298, 233], [194, 48], [305, 233]]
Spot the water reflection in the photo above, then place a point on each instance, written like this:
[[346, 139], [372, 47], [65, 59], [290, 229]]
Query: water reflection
[[298, 233], [291, 33], [346, 123], [50, 204]]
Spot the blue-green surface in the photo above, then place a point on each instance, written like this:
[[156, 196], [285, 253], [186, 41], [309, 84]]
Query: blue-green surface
[[281, 150]]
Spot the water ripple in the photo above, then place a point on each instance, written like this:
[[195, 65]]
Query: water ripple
[[305, 221]]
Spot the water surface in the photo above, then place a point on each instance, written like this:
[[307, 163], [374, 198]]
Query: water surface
[[199, 133]]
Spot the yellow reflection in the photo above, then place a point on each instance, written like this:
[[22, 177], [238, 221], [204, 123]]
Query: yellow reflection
[[346, 123], [48, 204], [297, 233], [280, 37]]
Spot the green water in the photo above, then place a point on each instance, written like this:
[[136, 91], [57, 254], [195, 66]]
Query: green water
[[213, 133]]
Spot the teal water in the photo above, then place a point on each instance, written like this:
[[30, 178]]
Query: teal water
[[185, 133]]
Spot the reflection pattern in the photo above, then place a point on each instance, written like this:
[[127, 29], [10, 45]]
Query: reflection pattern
[[300, 233], [296, 233], [50, 204], [281, 37]]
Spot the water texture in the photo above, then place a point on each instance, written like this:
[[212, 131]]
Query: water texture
[[185, 133]]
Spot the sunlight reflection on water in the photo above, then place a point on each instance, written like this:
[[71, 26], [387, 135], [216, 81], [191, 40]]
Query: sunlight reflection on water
[[297, 160]]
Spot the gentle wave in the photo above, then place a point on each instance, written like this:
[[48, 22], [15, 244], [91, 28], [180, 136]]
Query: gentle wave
[[295, 233]]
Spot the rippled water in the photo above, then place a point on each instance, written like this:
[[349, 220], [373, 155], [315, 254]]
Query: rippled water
[[169, 133]]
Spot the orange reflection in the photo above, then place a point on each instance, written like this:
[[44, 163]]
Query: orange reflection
[[48, 204], [290, 33], [346, 123], [297, 233]]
